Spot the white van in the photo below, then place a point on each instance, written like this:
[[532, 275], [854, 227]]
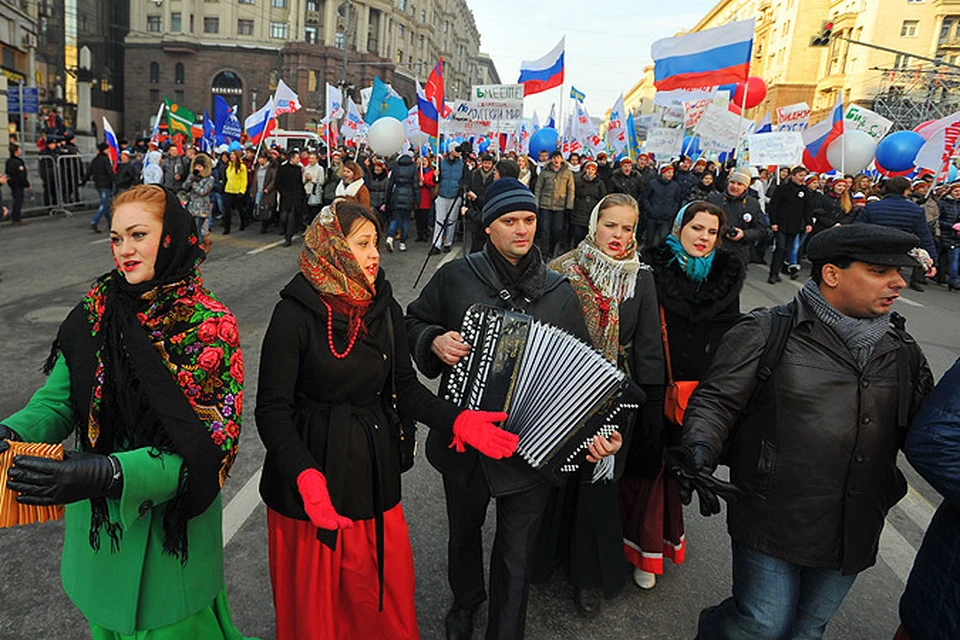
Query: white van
[[293, 139]]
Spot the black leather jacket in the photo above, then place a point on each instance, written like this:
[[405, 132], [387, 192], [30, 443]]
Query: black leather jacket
[[814, 449]]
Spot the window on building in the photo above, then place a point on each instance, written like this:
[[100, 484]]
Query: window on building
[[244, 27], [402, 4], [279, 30], [176, 22], [399, 56], [154, 96], [421, 43], [340, 40], [902, 61], [400, 31], [909, 28], [282, 4], [248, 1], [178, 96], [154, 73], [211, 25], [155, 24], [310, 35], [946, 28], [313, 5], [446, 26], [178, 73]]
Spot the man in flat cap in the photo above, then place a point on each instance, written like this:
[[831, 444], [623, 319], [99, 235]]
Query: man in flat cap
[[810, 403]]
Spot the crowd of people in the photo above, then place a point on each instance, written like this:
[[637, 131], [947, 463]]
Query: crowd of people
[[646, 263]]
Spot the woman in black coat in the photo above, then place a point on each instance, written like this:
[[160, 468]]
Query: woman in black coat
[[334, 357], [698, 286]]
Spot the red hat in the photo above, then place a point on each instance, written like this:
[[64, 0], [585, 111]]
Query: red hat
[[625, 160], [666, 167], [590, 163]]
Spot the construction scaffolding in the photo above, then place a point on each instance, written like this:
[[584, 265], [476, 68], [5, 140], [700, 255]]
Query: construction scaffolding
[[911, 96]]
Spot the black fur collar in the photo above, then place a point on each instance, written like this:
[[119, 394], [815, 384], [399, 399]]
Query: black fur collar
[[684, 297]]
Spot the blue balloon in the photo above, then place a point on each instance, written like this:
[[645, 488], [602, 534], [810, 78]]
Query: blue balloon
[[691, 146], [544, 139], [897, 151], [483, 145], [235, 146]]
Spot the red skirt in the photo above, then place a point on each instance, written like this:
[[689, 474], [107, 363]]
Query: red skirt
[[652, 516], [321, 594]]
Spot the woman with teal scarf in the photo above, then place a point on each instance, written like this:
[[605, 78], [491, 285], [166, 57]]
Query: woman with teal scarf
[[698, 286]]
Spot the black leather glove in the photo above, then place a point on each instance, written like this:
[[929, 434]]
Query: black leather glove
[[6, 433], [692, 467], [79, 476]]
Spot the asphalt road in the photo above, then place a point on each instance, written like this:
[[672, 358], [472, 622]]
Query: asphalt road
[[47, 265]]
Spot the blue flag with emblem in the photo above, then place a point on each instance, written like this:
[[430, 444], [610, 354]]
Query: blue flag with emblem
[[383, 102]]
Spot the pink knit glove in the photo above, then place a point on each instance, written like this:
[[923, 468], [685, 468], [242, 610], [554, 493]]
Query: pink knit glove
[[316, 501], [477, 429]]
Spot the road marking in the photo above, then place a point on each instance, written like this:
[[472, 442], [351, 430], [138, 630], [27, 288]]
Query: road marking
[[100, 241], [454, 253], [241, 507], [896, 552], [917, 508], [267, 247], [909, 302]]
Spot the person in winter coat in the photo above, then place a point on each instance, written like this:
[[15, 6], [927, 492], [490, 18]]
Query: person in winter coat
[[684, 177], [604, 170], [313, 177], [292, 197], [508, 274], [477, 183], [698, 287], [402, 195], [352, 186], [589, 190], [377, 181], [263, 192], [745, 226], [555, 194], [16, 172], [198, 187], [129, 381], [837, 208], [234, 188], [582, 529], [128, 173], [791, 215], [814, 480], [896, 211], [335, 356], [174, 169], [949, 223], [626, 180], [101, 170], [427, 178], [333, 177], [453, 175], [705, 188], [528, 172], [928, 608], [660, 203], [645, 171]]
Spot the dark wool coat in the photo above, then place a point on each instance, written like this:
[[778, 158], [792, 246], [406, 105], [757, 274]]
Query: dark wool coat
[[376, 184], [743, 213], [632, 184], [791, 207], [440, 308], [403, 185], [814, 448], [318, 411], [587, 193], [16, 169], [661, 200], [831, 213], [101, 170], [893, 210], [128, 174], [928, 608], [949, 216], [289, 183]]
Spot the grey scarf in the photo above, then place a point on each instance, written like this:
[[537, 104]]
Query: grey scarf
[[860, 335]]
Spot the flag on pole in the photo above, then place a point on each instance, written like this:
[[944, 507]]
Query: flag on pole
[[113, 149], [384, 104], [179, 119], [632, 138], [285, 100], [155, 134], [543, 73], [765, 125], [617, 129], [260, 123], [817, 138], [942, 137], [535, 122], [352, 123], [427, 113], [434, 91], [208, 141], [579, 96], [704, 58], [334, 102], [551, 120], [588, 131]]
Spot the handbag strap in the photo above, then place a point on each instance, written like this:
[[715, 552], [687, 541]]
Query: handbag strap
[[666, 346], [393, 354]]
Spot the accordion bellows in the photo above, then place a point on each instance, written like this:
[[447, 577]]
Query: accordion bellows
[[13, 513], [558, 391]]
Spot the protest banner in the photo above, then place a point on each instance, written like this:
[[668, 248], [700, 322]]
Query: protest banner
[[860, 118], [646, 122], [465, 119], [719, 129], [779, 148], [677, 97], [793, 117], [693, 111], [664, 142], [507, 95], [673, 115]]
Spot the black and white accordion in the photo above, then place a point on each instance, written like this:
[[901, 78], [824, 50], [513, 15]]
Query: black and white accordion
[[558, 391]]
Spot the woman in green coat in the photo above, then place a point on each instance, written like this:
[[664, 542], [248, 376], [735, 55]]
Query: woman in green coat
[[147, 374]]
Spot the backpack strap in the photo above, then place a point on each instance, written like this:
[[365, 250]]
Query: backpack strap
[[908, 368], [780, 327]]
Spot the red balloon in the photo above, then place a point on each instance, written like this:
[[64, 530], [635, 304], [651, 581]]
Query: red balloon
[[756, 92]]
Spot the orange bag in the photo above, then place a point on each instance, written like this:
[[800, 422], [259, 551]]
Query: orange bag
[[678, 392]]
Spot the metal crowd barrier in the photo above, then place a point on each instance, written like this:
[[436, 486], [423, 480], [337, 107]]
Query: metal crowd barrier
[[56, 186]]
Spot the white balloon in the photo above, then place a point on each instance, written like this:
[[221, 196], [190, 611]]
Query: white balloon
[[386, 136], [417, 139], [852, 152]]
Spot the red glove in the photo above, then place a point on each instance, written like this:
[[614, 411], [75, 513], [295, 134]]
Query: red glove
[[477, 429], [316, 501]]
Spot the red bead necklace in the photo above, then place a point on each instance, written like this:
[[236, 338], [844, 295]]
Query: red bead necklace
[[353, 338]]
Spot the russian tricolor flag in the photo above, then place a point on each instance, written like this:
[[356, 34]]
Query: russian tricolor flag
[[545, 73], [817, 138], [260, 123], [705, 58], [111, 139]]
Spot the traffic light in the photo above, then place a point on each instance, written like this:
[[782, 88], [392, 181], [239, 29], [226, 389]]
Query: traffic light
[[823, 38]]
